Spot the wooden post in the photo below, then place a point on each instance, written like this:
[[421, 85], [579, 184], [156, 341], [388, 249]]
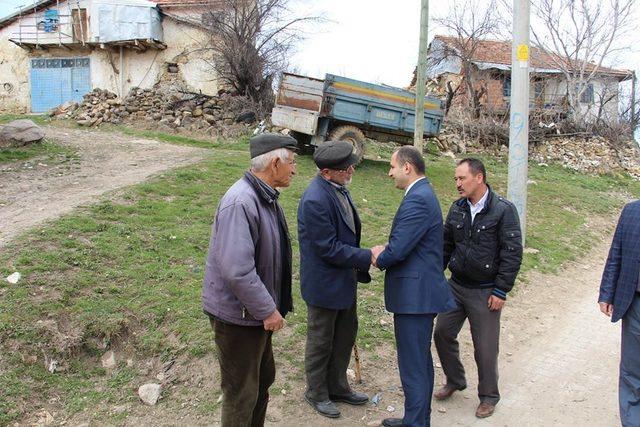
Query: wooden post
[[356, 357]]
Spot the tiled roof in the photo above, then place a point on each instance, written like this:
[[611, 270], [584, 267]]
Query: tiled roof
[[499, 52], [179, 3]]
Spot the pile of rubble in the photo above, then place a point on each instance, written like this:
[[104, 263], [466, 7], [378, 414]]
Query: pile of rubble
[[592, 155], [164, 110]]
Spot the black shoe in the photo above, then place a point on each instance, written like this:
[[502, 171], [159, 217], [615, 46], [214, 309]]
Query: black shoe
[[326, 408], [392, 422], [353, 398]]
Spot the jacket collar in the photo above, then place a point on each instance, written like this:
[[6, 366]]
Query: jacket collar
[[462, 202], [264, 190], [417, 183], [331, 189]]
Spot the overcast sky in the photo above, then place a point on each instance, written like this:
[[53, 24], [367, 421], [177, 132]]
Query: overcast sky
[[371, 40]]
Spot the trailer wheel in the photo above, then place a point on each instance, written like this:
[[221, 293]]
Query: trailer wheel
[[352, 135]]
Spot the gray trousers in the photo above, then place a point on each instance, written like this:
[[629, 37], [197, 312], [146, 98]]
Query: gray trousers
[[629, 386], [485, 333], [330, 338], [247, 369]]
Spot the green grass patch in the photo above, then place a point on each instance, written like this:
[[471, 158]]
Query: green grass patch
[[39, 119], [129, 271], [48, 151]]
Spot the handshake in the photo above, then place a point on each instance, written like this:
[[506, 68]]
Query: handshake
[[375, 252]]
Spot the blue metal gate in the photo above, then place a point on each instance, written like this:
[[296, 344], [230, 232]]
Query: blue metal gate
[[55, 81]]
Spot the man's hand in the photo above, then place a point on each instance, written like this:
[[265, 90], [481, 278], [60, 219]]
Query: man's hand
[[375, 252], [495, 303], [274, 322], [606, 308]]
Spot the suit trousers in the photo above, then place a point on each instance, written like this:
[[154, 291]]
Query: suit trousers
[[472, 303], [330, 338], [413, 341], [629, 386], [247, 369]]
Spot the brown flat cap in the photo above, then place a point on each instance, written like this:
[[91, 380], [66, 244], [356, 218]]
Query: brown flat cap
[[337, 155], [265, 142]]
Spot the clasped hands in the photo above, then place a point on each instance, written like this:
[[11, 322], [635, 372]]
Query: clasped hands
[[375, 252]]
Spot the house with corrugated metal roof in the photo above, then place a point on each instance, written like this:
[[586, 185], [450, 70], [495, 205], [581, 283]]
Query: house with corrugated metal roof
[[491, 65], [55, 51]]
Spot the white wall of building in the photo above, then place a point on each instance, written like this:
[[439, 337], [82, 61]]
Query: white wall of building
[[186, 46]]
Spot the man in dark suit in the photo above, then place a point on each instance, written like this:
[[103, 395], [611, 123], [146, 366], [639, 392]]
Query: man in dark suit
[[331, 264], [415, 288], [620, 299]]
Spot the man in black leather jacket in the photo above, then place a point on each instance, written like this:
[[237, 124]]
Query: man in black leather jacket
[[483, 250]]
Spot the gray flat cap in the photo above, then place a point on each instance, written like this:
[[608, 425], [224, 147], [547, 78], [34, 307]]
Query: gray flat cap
[[265, 142], [335, 155]]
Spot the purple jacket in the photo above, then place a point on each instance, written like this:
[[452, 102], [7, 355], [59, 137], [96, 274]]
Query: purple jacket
[[244, 259]]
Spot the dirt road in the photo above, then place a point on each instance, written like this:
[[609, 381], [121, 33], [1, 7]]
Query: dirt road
[[36, 192], [559, 360]]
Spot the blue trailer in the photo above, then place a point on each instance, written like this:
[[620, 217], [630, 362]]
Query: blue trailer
[[339, 108]]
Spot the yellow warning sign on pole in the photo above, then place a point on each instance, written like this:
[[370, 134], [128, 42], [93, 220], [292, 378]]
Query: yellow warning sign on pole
[[522, 53]]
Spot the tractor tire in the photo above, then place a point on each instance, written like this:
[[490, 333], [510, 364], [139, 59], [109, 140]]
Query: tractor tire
[[352, 135]]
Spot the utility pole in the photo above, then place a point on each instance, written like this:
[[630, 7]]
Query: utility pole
[[519, 113], [421, 78], [634, 123]]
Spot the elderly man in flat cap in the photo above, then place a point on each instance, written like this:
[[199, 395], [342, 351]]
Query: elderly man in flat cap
[[247, 284], [331, 264]]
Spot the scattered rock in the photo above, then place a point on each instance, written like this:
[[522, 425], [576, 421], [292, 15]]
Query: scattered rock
[[108, 360], [391, 408], [532, 251], [219, 399], [19, 133], [150, 393], [44, 418], [376, 399], [374, 423], [13, 278], [442, 410]]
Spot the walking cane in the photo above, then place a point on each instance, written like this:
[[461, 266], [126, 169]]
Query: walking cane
[[356, 356]]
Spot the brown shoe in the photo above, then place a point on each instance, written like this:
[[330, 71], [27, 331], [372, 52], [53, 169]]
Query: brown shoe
[[485, 410], [446, 391]]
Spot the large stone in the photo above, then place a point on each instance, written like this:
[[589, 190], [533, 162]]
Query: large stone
[[19, 133], [150, 393]]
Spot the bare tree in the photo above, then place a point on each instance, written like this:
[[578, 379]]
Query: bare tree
[[582, 36], [469, 23], [251, 41]]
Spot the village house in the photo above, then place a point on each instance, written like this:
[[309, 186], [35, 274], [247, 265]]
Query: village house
[[56, 51], [491, 64]]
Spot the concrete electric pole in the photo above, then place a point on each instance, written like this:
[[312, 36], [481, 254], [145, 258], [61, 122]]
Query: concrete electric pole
[[421, 78], [519, 112]]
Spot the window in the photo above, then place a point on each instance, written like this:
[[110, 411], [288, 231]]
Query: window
[[587, 95], [506, 87]]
